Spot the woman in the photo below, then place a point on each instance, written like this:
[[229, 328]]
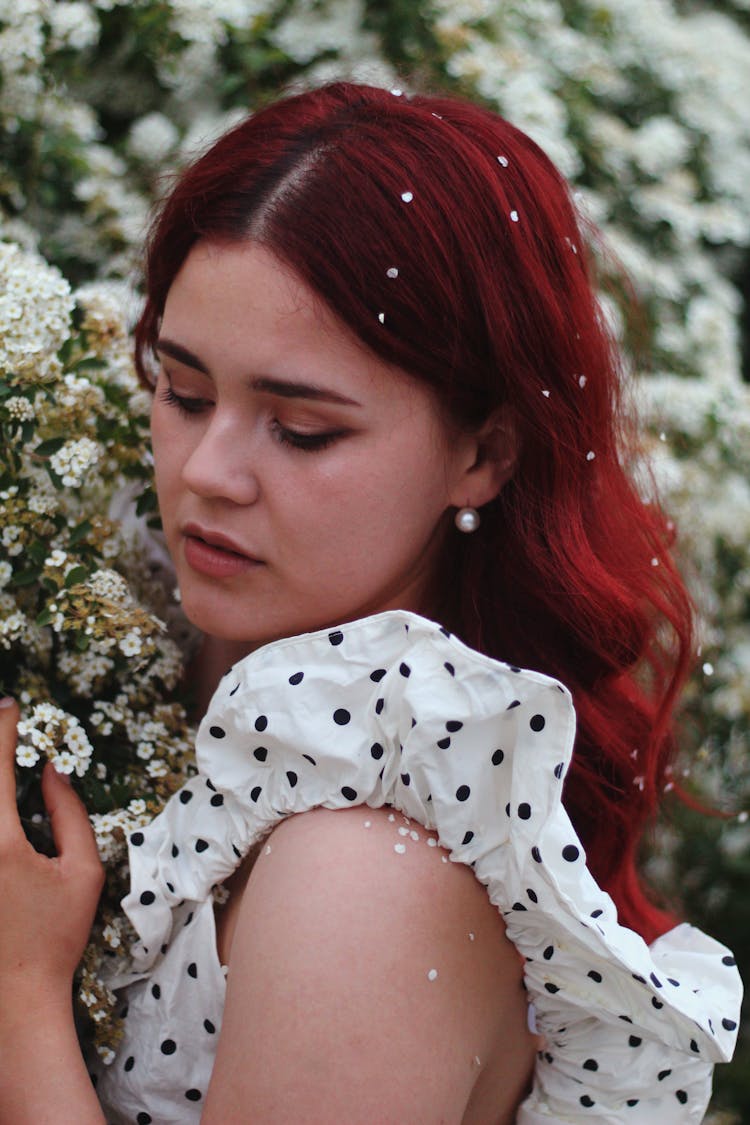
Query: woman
[[385, 398]]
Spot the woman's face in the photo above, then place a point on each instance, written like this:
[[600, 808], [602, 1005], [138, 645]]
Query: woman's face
[[301, 479]]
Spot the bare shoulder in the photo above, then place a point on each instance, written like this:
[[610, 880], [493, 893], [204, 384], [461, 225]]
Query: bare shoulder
[[370, 979]]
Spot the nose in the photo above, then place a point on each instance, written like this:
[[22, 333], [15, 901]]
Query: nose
[[221, 465]]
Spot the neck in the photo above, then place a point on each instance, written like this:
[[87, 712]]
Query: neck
[[213, 658]]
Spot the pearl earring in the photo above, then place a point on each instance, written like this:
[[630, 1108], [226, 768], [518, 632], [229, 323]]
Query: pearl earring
[[467, 520]]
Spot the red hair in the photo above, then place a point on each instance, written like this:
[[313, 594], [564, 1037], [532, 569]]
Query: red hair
[[493, 307]]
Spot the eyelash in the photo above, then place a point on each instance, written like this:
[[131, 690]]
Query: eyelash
[[307, 443]]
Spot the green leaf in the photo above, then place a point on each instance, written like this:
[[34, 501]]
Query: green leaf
[[26, 577], [147, 502], [75, 575], [52, 445], [81, 642], [44, 617], [80, 532]]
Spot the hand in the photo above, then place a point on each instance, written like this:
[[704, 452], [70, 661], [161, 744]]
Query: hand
[[47, 904]]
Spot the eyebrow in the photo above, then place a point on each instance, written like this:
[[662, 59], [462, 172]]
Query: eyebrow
[[283, 387]]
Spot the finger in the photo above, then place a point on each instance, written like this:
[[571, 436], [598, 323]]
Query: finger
[[71, 828], [10, 825]]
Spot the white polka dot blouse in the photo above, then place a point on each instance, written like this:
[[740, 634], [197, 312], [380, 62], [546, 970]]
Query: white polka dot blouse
[[392, 710]]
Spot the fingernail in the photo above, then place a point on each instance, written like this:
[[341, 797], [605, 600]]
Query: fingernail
[[7, 701]]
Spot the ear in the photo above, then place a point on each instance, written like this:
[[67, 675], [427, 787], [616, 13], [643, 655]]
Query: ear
[[487, 462]]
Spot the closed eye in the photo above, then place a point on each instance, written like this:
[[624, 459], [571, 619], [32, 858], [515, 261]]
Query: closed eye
[[309, 443], [182, 403]]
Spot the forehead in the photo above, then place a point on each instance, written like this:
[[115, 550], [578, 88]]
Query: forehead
[[244, 312]]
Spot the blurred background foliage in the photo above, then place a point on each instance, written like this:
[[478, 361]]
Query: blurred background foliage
[[642, 104]]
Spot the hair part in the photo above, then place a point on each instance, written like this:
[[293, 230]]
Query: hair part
[[493, 306]]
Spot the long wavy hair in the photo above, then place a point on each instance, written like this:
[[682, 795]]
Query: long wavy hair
[[493, 306]]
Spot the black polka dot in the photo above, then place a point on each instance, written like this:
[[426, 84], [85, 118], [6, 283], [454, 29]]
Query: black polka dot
[[537, 722], [631, 1102], [217, 800], [210, 1027], [237, 851], [694, 1047], [170, 887], [124, 1012], [310, 759], [728, 960], [655, 980], [186, 796], [536, 855], [129, 1063], [201, 845], [463, 793], [137, 839], [235, 689], [377, 751], [728, 1025], [586, 1101], [377, 675], [559, 770], [255, 792], [551, 988], [379, 705], [634, 1041], [524, 811], [341, 716], [548, 952], [532, 895], [261, 722], [595, 976], [444, 743], [210, 785], [168, 1047], [513, 668], [656, 1003], [189, 918], [520, 906], [349, 793], [663, 1074], [497, 757], [468, 837], [336, 638], [406, 778], [291, 778], [513, 705], [570, 853], [673, 982], [596, 913], [507, 810], [591, 1064], [217, 732], [147, 898], [297, 678], [681, 1096], [192, 970], [156, 991], [449, 668], [144, 1119], [627, 1019], [405, 670], [193, 1095], [453, 725], [175, 851], [261, 753]]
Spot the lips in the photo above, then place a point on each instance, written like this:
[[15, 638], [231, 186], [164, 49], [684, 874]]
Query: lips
[[217, 540], [213, 554]]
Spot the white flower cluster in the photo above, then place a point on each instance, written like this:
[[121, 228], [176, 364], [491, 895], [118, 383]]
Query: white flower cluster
[[36, 303], [74, 460], [50, 730]]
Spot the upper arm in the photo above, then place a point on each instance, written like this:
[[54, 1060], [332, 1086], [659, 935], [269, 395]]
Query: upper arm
[[365, 984]]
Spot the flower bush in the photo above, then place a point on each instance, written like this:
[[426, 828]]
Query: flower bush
[[81, 645], [642, 103]]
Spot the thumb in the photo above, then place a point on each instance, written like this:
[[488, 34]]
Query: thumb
[[71, 828]]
